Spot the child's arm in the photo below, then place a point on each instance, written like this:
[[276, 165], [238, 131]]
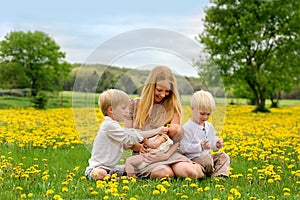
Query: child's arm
[[158, 131], [155, 142]]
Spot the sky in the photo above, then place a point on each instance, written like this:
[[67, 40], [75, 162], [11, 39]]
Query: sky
[[137, 33]]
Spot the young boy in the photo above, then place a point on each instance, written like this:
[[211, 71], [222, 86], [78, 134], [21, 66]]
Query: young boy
[[200, 137], [112, 139]]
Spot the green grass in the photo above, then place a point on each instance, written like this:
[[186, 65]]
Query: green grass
[[60, 164]]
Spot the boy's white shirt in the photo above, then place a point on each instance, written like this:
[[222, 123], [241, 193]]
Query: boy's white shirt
[[110, 141], [193, 135]]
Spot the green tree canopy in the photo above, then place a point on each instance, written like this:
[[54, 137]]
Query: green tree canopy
[[35, 60], [255, 42]]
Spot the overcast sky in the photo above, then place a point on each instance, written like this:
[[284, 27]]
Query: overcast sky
[[82, 27]]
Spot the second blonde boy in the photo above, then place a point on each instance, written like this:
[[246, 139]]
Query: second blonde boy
[[200, 137]]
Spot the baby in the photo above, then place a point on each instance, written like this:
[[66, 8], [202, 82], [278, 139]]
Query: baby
[[160, 143]]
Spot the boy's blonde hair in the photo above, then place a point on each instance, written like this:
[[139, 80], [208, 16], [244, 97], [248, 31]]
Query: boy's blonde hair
[[112, 97], [203, 100], [170, 104]]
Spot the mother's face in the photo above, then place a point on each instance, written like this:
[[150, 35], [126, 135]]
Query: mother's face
[[162, 90]]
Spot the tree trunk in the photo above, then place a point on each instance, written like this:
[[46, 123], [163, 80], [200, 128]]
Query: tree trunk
[[34, 89], [261, 106]]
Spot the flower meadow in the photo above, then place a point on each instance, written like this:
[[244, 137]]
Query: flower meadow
[[44, 157]]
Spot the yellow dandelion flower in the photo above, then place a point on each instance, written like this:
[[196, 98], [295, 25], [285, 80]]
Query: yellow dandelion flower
[[125, 181], [155, 192], [159, 186], [65, 183], [64, 189], [100, 184], [188, 179], [125, 187], [286, 189], [19, 188], [105, 197], [193, 185], [49, 192], [206, 188], [94, 193], [57, 197], [132, 179], [270, 180], [132, 198], [83, 177], [286, 194], [30, 195], [164, 190], [271, 197], [107, 191], [230, 197], [291, 166], [114, 175], [184, 196], [166, 183], [76, 168], [277, 177]]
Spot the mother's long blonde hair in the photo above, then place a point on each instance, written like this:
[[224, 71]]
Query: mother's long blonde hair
[[168, 106]]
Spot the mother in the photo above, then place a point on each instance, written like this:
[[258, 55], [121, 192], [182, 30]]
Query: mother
[[159, 105]]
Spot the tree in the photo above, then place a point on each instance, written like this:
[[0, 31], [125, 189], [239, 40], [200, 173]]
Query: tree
[[255, 42], [108, 80], [37, 57]]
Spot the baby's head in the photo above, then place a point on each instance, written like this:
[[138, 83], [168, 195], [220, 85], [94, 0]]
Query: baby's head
[[113, 98], [174, 129]]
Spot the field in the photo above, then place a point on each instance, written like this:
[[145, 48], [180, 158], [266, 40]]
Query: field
[[44, 154]]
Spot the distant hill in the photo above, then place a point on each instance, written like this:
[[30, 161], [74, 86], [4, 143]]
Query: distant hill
[[97, 77]]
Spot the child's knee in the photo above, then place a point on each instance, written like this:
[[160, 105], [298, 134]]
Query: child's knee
[[224, 157]]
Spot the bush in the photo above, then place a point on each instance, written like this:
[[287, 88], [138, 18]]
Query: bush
[[40, 101]]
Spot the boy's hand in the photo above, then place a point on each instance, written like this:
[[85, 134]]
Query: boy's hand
[[205, 145], [219, 143]]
